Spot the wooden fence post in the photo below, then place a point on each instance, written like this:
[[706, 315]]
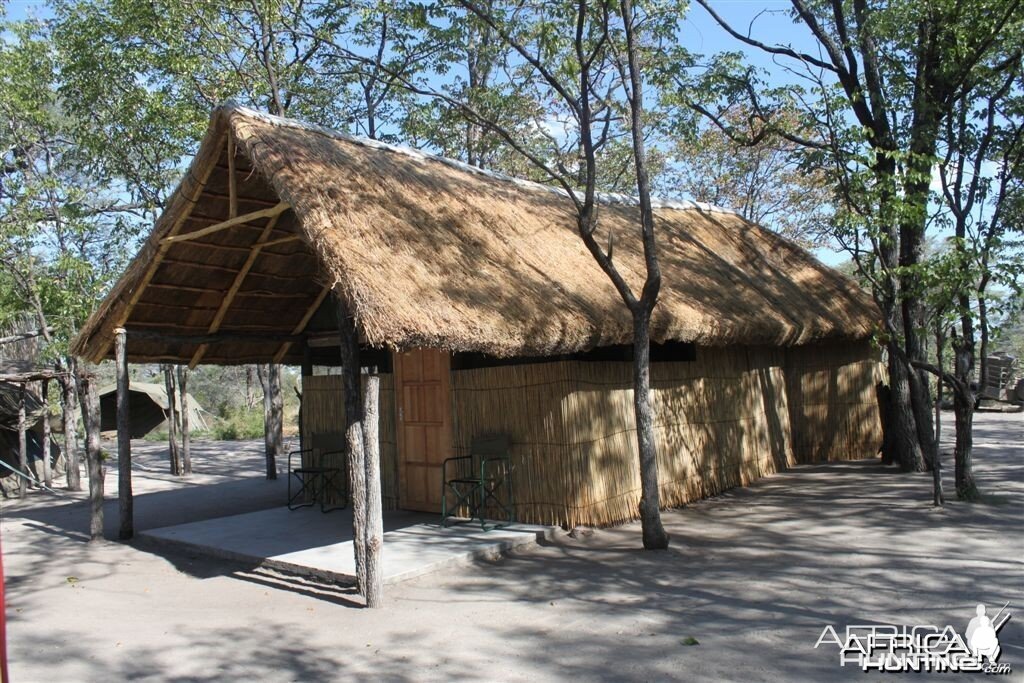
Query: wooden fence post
[[374, 513], [47, 470], [93, 452], [172, 420], [22, 444], [69, 397], [124, 438], [186, 429]]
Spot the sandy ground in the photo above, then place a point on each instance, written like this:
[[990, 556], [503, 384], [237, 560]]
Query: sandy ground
[[753, 575]]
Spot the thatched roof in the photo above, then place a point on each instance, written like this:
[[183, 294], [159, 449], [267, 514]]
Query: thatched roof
[[430, 253]]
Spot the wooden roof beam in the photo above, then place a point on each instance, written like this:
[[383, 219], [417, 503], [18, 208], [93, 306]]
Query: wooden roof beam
[[240, 199], [252, 337], [218, 319], [272, 212], [301, 327]]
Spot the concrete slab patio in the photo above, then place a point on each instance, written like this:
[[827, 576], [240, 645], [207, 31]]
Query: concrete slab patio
[[311, 543]]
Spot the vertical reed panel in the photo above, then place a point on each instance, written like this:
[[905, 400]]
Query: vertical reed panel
[[723, 420]]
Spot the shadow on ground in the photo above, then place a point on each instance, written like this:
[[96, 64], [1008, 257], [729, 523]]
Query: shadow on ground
[[753, 575]]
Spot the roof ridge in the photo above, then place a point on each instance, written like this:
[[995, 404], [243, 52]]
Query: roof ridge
[[606, 198]]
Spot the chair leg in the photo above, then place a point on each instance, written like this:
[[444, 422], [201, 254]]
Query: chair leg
[[462, 497], [489, 493], [304, 485]]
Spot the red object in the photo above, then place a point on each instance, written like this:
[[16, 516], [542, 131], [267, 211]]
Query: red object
[[3, 624]]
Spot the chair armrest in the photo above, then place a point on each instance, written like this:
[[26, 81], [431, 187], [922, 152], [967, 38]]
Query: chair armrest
[[297, 452], [444, 464]]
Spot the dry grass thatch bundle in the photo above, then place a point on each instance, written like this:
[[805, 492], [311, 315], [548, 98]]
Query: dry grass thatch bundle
[[430, 253]]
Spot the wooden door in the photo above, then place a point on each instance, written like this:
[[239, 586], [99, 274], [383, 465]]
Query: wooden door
[[423, 398]]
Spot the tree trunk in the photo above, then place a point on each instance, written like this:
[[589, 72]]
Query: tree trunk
[[963, 407], [963, 412], [47, 469], [938, 497], [654, 535], [273, 409], [374, 513], [93, 454], [186, 430], [126, 528], [983, 346], [69, 413], [22, 444], [172, 421], [250, 394], [349, 347], [902, 426], [921, 404], [940, 341]]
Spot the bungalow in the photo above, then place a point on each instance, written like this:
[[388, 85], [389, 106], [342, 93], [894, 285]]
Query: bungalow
[[478, 303]]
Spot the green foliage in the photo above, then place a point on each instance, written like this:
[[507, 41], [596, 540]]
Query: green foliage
[[60, 225], [239, 424]]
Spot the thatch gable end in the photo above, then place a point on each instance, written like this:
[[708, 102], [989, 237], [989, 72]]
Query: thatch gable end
[[431, 253]]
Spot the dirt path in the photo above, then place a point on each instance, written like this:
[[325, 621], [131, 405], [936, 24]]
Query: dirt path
[[753, 575]]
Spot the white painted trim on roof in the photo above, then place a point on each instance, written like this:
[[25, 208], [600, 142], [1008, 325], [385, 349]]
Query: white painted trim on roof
[[607, 198]]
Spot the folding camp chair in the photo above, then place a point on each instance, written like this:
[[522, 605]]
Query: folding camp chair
[[317, 481], [479, 480]]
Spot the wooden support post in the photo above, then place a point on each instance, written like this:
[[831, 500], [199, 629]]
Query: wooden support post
[[273, 411], [307, 371], [349, 348], [126, 528], [186, 432], [22, 444], [172, 421], [374, 509], [69, 414], [93, 453], [47, 469]]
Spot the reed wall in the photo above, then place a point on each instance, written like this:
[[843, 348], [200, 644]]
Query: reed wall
[[732, 416], [726, 419], [323, 419], [833, 401]]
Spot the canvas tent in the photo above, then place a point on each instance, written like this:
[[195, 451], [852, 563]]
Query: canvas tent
[[10, 399], [149, 409], [478, 302]]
